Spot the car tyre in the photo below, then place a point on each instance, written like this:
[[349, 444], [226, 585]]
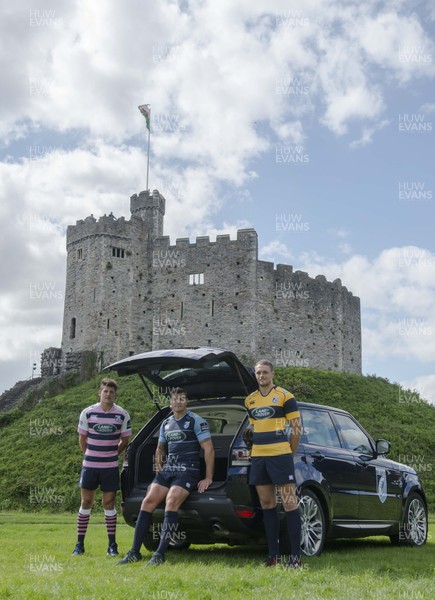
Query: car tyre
[[413, 527], [313, 524]]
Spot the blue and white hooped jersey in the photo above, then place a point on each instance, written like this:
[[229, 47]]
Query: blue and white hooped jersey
[[182, 437]]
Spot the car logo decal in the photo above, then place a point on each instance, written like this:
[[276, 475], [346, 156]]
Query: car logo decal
[[175, 436], [381, 484]]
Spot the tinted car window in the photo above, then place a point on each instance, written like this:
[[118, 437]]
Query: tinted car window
[[354, 438], [319, 429]]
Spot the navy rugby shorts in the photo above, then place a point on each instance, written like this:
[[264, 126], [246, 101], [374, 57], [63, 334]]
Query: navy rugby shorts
[[277, 470], [107, 479], [186, 478]]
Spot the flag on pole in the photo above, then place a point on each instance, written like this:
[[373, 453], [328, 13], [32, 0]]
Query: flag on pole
[[145, 109]]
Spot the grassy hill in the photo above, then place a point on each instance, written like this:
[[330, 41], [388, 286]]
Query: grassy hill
[[41, 457]]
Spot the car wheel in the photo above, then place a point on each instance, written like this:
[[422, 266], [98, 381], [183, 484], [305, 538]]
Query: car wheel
[[413, 528], [151, 543], [313, 524]]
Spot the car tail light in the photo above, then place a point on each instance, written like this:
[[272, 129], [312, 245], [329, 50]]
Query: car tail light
[[245, 513], [240, 457]]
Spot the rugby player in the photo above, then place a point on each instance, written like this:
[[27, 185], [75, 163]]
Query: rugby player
[[177, 465], [104, 430], [271, 410]]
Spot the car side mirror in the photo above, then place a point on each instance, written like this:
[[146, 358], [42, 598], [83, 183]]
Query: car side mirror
[[382, 447]]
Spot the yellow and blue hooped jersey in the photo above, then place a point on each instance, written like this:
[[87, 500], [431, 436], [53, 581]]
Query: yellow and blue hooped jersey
[[269, 416]]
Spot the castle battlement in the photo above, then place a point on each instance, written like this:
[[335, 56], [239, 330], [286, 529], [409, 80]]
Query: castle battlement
[[105, 225], [203, 241]]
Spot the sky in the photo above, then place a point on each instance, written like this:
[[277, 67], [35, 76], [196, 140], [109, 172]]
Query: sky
[[312, 122]]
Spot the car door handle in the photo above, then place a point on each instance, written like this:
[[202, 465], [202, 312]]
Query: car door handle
[[318, 455]]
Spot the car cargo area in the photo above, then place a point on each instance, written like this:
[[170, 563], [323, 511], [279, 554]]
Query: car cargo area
[[224, 422]]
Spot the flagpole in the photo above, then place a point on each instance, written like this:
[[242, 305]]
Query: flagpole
[[145, 110], [149, 137]]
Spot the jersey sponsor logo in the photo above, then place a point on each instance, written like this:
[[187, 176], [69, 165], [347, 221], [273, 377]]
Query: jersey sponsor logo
[[263, 412], [175, 436], [104, 428]]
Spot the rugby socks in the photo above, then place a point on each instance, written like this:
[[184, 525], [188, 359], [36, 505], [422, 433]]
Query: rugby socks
[[169, 527], [82, 523], [142, 525], [271, 527], [110, 519], [294, 533]]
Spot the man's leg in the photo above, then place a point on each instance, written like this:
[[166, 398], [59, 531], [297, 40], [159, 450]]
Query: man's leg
[[293, 516], [83, 516], [175, 498], [108, 501], [266, 494], [155, 496]]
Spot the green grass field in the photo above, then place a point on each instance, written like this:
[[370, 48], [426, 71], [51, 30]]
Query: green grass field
[[36, 563]]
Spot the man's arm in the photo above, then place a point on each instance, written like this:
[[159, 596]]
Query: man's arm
[[296, 432], [123, 442], [207, 446], [160, 456], [83, 442]]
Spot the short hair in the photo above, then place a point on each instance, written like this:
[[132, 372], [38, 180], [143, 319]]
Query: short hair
[[177, 390], [264, 362], [109, 383]]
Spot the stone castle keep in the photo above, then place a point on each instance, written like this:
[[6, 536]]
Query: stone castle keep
[[128, 290]]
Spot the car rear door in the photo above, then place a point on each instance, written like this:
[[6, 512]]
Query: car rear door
[[331, 466]]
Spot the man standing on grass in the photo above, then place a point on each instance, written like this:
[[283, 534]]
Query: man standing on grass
[[104, 430], [270, 410], [181, 437]]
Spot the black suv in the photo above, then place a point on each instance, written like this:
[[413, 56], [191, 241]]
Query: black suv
[[346, 486]]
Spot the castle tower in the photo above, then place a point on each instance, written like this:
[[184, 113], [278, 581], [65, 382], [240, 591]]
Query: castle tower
[[107, 277]]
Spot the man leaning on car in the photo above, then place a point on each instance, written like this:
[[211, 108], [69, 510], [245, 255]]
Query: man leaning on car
[[181, 437]]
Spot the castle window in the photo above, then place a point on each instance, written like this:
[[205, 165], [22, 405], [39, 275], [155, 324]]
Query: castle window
[[212, 308], [181, 310], [80, 253], [196, 279], [72, 331], [118, 252]]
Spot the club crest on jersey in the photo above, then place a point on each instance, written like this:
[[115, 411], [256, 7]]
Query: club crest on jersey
[[118, 418], [263, 412], [186, 425], [275, 399]]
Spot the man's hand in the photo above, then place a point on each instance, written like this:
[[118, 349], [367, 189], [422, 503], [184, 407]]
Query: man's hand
[[204, 484]]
